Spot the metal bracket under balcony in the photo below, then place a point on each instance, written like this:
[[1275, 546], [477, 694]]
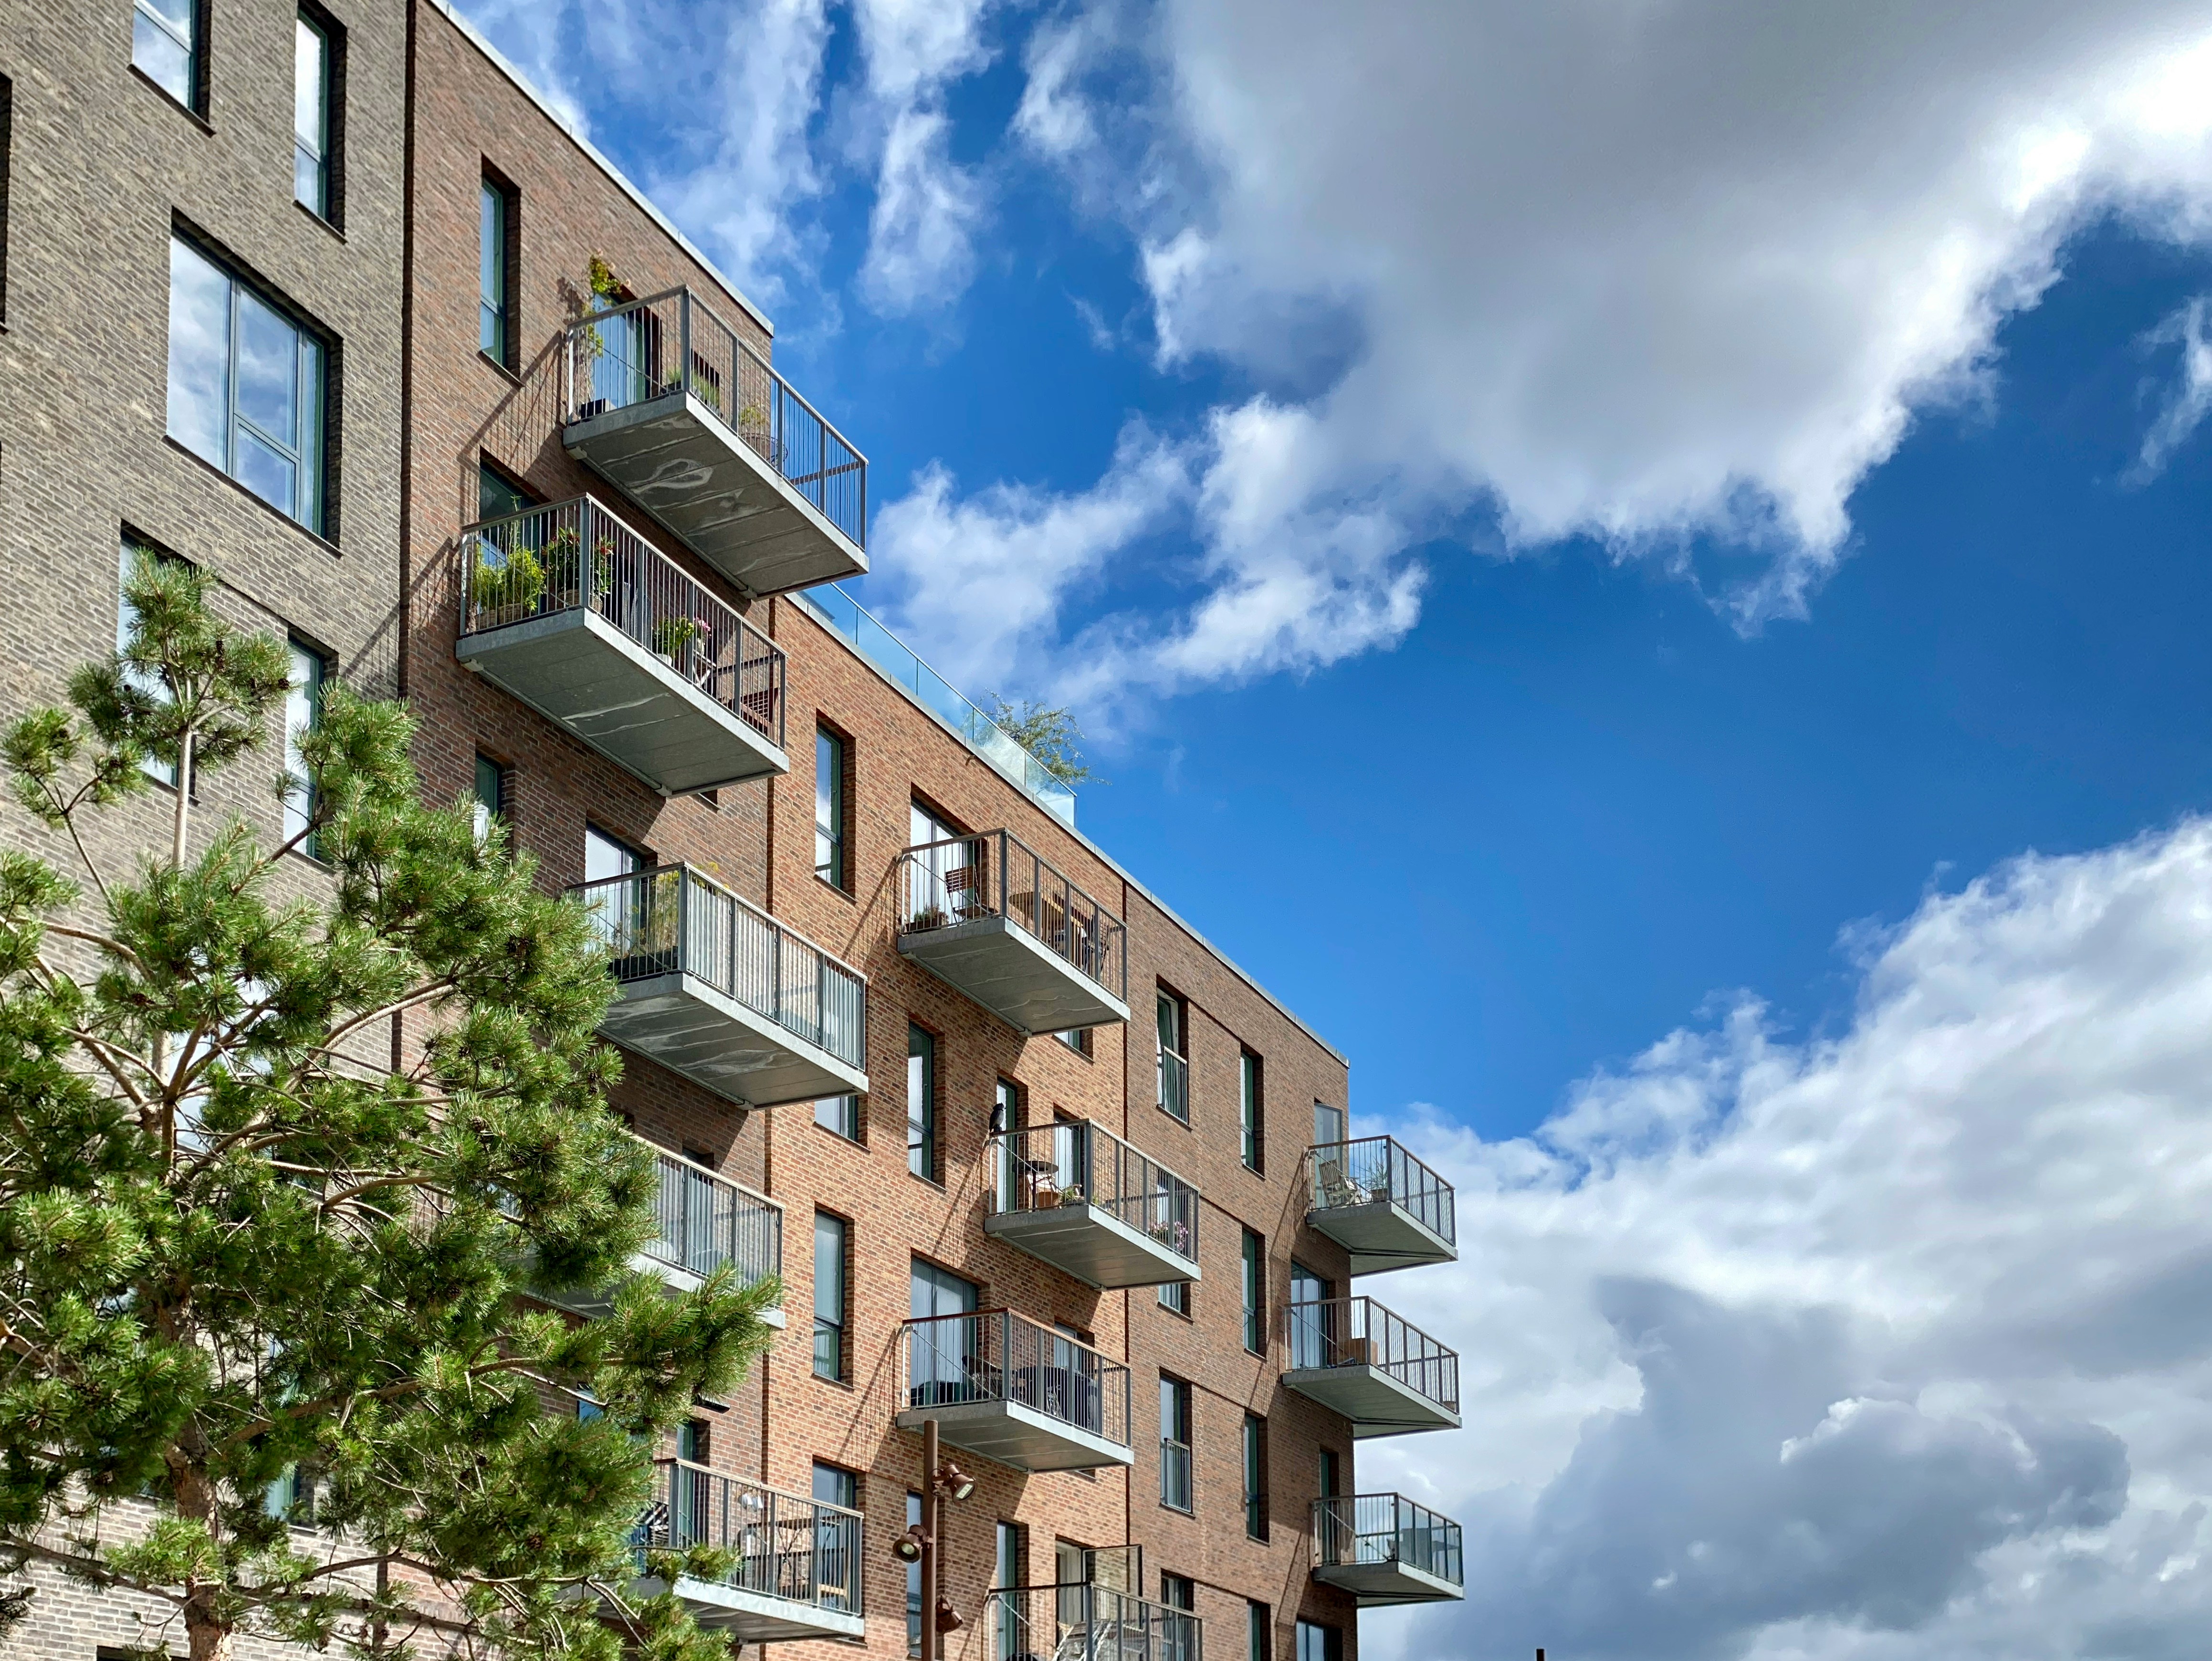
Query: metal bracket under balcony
[[1378, 1371], [672, 406], [988, 916], [572, 612], [702, 1221], [1081, 1199], [797, 1567], [719, 991], [1003, 1386], [1383, 1205], [1384, 1549]]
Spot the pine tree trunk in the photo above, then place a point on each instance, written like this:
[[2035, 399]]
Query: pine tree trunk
[[206, 1639]]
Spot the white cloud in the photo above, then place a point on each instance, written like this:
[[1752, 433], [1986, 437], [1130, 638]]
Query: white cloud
[[1891, 1345], [921, 230], [2191, 397]]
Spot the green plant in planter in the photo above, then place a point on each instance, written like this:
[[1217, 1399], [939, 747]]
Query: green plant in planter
[[514, 584], [930, 916], [560, 563], [671, 635]]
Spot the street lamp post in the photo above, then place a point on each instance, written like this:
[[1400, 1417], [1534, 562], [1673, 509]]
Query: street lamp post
[[941, 1480]]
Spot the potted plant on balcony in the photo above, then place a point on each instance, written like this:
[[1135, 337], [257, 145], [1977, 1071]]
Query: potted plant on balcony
[[930, 916], [672, 637], [507, 587]]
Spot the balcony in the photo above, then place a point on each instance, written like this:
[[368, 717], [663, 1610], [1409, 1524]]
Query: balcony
[[668, 404], [573, 612], [1381, 1204], [702, 1221], [1083, 1200], [1383, 1374], [797, 1573], [1384, 1549], [719, 991], [990, 917], [1006, 1387], [1086, 1620]]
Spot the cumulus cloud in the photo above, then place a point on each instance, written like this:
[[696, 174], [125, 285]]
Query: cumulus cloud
[[2189, 399], [1889, 1345]]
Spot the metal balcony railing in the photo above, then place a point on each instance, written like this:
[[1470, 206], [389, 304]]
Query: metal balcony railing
[[670, 918], [702, 1220], [996, 1356], [1351, 1530], [577, 556], [996, 874], [1374, 1170], [1342, 1332], [1076, 1162], [786, 1545], [673, 342], [1087, 1621]]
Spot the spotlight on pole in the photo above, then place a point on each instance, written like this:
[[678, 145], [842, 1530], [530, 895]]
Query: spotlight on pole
[[955, 1482], [948, 1618], [908, 1547]]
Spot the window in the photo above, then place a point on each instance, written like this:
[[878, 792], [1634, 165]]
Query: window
[[491, 795], [1175, 1059], [1254, 1288], [1259, 1632], [246, 386], [303, 713], [7, 155], [608, 856], [126, 619], [1327, 1475], [835, 1486], [314, 73], [1309, 1317], [840, 1115], [1175, 1443], [1007, 1120], [497, 214], [920, 1102], [1006, 1571], [1319, 1643], [291, 1497], [588, 1407], [1328, 1125], [832, 1272], [164, 47], [1176, 1295], [1179, 1640], [1256, 1476], [497, 496], [914, 1582], [829, 808], [1251, 1145], [1078, 1040]]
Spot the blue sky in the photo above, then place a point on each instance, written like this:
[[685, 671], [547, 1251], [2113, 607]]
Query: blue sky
[[1645, 571]]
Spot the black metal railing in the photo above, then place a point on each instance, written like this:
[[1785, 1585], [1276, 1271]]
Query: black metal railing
[[577, 556], [1351, 1530], [702, 1220], [1343, 1332], [996, 1356], [1075, 1162], [1087, 1621], [674, 343], [1374, 1170], [786, 1545], [996, 874], [672, 918]]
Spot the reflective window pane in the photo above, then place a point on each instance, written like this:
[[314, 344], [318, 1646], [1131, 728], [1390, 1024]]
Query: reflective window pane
[[199, 354]]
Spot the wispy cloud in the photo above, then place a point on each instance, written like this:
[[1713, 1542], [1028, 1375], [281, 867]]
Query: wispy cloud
[[2188, 399]]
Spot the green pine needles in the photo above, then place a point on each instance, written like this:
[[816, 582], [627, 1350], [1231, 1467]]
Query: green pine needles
[[253, 1274]]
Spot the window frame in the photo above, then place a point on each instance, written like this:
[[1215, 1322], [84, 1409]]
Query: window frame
[[1253, 1461], [1177, 1454], [923, 1156], [194, 50], [301, 796], [1259, 1631], [848, 1110], [498, 809], [1173, 1008], [1252, 1251], [495, 186], [1252, 1110], [839, 832], [1174, 1298], [839, 1328], [329, 159], [7, 168], [1326, 1642]]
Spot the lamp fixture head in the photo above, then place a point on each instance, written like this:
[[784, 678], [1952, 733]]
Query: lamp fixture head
[[955, 1482], [948, 1618], [907, 1548]]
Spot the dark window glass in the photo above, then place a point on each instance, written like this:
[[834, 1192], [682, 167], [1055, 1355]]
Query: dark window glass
[[1176, 1295], [496, 333], [1319, 1643], [1256, 1476], [1251, 1145], [7, 157], [1255, 1313], [835, 1486], [1175, 1057], [829, 808], [920, 1102], [491, 795], [832, 1272], [1174, 1444], [496, 498], [1259, 1632]]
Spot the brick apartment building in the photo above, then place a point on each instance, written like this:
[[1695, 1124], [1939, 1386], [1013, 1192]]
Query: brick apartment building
[[1031, 1158]]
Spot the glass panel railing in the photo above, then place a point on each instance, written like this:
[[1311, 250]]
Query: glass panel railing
[[1366, 1529], [841, 614], [1376, 1170], [674, 343], [784, 1545], [577, 556], [672, 918], [1339, 1332], [1073, 1162], [996, 1356], [996, 874]]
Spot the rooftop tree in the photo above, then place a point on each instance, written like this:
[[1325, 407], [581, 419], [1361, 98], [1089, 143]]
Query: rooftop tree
[[264, 1265]]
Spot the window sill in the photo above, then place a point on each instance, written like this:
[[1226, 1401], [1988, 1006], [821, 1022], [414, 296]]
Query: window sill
[[927, 1181], [505, 373], [845, 1384], [174, 103], [269, 507], [1171, 1117], [844, 894], [329, 225], [839, 1136]]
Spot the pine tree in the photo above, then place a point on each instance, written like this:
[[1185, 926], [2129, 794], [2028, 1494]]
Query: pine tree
[[243, 1258]]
